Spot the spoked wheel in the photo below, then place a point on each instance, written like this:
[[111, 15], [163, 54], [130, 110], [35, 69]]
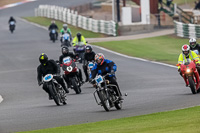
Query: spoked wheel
[[104, 100], [55, 96], [192, 85]]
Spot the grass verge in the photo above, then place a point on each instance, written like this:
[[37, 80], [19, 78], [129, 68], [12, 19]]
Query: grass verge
[[178, 121], [163, 48], [46, 22]]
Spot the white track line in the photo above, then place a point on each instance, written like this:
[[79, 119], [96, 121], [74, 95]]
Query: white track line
[[1, 98]]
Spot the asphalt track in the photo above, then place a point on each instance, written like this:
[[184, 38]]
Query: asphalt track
[[151, 87]]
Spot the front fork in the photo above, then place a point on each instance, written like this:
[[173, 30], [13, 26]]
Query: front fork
[[195, 77]]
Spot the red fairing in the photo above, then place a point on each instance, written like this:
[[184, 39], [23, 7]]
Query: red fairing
[[74, 70], [68, 64], [193, 72]]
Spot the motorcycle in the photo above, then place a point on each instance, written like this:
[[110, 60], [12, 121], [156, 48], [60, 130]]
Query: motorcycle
[[53, 35], [12, 26], [70, 70], [197, 52], [55, 89], [190, 75], [79, 50], [66, 40], [90, 66], [106, 94]]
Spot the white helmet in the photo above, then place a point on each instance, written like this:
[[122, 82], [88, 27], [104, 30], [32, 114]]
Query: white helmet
[[192, 42], [186, 49]]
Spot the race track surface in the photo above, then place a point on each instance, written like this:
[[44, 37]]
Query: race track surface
[[151, 87]]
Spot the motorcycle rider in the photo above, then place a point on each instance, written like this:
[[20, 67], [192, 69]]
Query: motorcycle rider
[[64, 30], [11, 19], [194, 45], [66, 53], [88, 56], [49, 67], [188, 54], [102, 67], [55, 27], [78, 38]]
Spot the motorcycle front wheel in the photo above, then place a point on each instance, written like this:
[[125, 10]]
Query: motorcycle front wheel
[[192, 85], [104, 100], [54, 95]]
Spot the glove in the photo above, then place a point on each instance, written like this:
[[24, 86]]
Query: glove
[[112, 72], [40, 83]]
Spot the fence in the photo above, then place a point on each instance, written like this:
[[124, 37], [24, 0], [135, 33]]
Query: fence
[[187, 30], [72, 17]]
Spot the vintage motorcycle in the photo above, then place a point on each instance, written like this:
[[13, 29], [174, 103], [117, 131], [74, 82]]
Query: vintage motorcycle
[[190, 75], [12, 26], [53, 35], [70, 70], [66, 40], [90, 66], [105, 93], [55, 89], [79, 50]]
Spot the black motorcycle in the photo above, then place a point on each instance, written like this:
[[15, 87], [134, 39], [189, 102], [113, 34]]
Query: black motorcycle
[[106, 94], [65, 40], [12, 26], [53, 35], [55, 89]]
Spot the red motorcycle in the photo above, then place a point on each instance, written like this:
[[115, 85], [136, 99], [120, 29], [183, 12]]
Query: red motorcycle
[[190, 75], [71, 77]]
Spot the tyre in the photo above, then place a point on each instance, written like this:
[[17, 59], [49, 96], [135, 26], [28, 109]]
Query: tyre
[[104, 100], [118, 105], [75, 86], [54, 95], [192, 85]]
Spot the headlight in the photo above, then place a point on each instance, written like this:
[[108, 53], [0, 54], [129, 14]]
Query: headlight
[[69, 69], [188, 70]]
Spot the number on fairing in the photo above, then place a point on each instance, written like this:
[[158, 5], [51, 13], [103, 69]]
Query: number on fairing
[[12, 23], [66, 60], [48, 77], [99, 79], [53, 31], [66, 36], [90, 65]]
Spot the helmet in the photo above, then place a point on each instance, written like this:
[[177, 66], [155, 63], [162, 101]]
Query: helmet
[[186, 49], [88, 49], [78, 36], [192, 42], [99, 58], [65, 26], [43, 58], [52, 22], [65, 50]]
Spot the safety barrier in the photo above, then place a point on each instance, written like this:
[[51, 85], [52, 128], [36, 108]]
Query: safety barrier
[[187, 30], [72, 17]]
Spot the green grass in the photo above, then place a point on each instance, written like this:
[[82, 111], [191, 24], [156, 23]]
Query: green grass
[[46, 22], [163, 49], [179, 2], [178, 121]]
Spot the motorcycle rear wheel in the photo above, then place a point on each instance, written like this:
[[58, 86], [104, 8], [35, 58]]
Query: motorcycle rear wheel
[[192, 85]]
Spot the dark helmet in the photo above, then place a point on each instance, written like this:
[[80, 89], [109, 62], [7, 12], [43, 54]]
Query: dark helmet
[[88, 49], [43, 58], [78, 36], [65, 50]]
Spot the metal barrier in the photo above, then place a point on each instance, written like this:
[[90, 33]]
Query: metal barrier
[[72, 17], [187, 30]]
